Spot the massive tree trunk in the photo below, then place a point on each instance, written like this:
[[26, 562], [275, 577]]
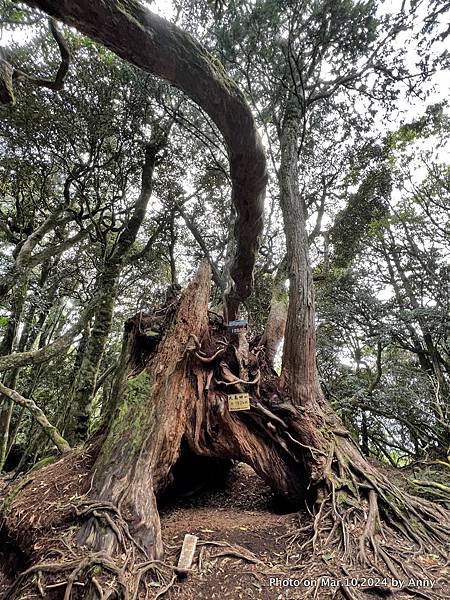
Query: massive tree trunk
[[148, 422], [152, 400], [176, 390], [156, 46]]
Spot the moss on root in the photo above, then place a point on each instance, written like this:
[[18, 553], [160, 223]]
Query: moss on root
[[130, 410]]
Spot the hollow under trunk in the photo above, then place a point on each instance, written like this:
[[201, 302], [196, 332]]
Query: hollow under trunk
[[102, 527]]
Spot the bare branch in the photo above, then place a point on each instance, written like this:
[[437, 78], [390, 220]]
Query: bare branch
[[8, 73]]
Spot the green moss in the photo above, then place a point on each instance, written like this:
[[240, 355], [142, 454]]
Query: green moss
[[151, 333], [48, 460], [220, 73], [128, 9], [138, 388], [131, 422], [341, 498]]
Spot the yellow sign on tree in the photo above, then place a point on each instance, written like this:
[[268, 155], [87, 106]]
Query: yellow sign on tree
[[238, 402]]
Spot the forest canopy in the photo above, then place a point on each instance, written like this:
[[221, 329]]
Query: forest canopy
[[170, 171]]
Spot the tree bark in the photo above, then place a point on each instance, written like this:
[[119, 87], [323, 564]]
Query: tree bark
[[86, 377], [299, 371], [147, 426], [9, 342], [178, 390], [276, 321]]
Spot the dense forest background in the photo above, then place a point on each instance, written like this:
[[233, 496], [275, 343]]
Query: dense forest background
[[114, 185]]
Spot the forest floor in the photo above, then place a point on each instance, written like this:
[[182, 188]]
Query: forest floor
[[244, 548], [243, 513]]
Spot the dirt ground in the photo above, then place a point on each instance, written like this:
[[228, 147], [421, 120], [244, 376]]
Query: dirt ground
[[244, 513], [244, 550]]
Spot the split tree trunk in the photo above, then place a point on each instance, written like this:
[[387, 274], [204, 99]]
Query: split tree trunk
[[148, 423], [176, 393], [290, 435]]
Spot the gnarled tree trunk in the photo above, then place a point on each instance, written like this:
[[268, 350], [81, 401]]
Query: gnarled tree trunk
[[148, 423], [178, 391]]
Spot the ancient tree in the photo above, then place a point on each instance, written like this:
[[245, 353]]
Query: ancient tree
[[171, 389]]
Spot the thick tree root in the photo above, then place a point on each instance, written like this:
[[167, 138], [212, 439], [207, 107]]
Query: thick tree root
[[370, 533]]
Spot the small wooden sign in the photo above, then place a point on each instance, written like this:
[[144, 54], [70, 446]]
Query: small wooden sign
[[187, 554], [237, 326], [238, 402]]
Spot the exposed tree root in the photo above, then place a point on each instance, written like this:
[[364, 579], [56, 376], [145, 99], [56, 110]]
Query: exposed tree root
[[370, 531], [374, 530], [360, 519], [231, 550]]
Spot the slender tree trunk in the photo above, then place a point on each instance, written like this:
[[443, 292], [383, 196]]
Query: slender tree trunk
[[364, 434], [8, 344], [50, 430], [85, 383], [299, 370], [276, 321], [172, 244], [86, 377], [299, 375]]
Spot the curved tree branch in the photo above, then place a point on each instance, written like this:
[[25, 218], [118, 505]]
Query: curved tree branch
[[36, 357], [161, 48], [9, 73]]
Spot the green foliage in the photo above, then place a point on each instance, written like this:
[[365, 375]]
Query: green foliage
[[363, 214], [11, 14], [433, 121]]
